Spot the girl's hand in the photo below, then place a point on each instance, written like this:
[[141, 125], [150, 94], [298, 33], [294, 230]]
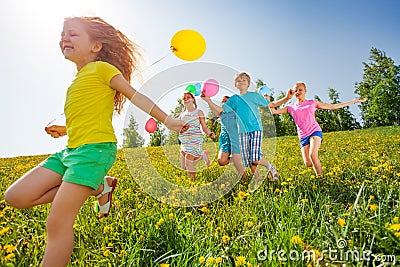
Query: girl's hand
[[212, 135], [204, 97], [176, 125], [56, 131], [289, 94]]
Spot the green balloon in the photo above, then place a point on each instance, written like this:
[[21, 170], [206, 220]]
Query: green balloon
[[191, 89]]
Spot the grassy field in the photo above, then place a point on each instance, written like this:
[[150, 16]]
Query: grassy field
[[350, 217]]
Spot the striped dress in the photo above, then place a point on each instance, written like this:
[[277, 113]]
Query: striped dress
[[192, 138]]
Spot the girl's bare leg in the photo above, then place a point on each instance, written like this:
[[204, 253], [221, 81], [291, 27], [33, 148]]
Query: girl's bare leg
[[315, 143], [38, 186], [190, 162], [60, 234], [237, 162]]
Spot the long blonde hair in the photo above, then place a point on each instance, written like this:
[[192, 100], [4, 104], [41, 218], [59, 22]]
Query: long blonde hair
[[117, 50]]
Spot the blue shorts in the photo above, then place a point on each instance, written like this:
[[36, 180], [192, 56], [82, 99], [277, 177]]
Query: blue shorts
[[229, 136], [85, 165], [250, 147], [306, 140]]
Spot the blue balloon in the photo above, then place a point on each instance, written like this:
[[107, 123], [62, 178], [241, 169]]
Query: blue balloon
[[264, 90], [198, 89]]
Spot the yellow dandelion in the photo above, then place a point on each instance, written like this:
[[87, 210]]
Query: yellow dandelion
[[218, 260], [159, 223], [170, 216], [9, 257], [106, 253], [240, 261], [249, 224], [394, 227], [122, 252], [371, 197], [10, 248], [210, 261], [296, 240], [204, 209], [226, 239], [396, 219], [202, 259], [304, 200], [397, 234], [164, 265], [4, 230], [373, 207], [241, 195], [106, 229], [341, 222], [188, 214]]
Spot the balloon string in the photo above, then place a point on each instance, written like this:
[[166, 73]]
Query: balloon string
[[155, 62], [53, 120]]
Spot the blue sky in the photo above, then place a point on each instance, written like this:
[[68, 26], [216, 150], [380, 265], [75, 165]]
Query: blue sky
[[322, 43]]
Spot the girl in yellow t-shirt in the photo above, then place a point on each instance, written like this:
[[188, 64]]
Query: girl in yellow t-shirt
[[105, 59]]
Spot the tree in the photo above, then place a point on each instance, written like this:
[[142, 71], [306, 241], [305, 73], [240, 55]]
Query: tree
[[342, 118], [158, 137], [335, 120], [131, 135], [381, 85], [267, 120]]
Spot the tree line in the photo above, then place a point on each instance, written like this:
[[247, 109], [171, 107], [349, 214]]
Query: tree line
[[380, 84]]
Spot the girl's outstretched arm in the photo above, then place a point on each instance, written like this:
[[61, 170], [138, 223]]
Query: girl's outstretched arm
[[323, 105], [119, 83], [278, 111], [289, 95], [204, 127], [214, 107]]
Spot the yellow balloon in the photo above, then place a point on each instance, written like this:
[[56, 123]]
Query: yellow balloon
[[188, 45]]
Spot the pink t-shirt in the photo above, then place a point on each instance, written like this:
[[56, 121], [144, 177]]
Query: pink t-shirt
[[303, 115]]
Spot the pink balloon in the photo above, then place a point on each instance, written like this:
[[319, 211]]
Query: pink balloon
[[151, 125], [210, 87]]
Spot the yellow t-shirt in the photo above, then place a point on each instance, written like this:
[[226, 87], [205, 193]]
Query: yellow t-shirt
[[89, 105]]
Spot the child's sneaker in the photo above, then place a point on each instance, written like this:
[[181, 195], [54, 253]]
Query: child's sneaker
[[273, 172], [205, 157]]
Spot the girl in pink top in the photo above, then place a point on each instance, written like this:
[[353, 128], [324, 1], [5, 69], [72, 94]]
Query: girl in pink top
[[308, 129]]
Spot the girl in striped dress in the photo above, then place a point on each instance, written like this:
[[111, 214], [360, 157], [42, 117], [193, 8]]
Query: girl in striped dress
[[192, 139]]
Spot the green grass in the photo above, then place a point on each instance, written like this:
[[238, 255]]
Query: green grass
[[354, 208]]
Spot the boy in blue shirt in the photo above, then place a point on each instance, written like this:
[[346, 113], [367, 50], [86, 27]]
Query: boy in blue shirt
[[245, 106]]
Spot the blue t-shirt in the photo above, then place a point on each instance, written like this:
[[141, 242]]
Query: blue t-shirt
[[246, 108]]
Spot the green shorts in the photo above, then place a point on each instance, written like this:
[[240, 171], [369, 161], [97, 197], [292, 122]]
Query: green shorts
[[85, 165]]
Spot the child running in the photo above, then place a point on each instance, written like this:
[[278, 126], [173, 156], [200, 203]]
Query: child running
[[229, 148], [308, 129], [192, 139], [245, 106], [105, 59]]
